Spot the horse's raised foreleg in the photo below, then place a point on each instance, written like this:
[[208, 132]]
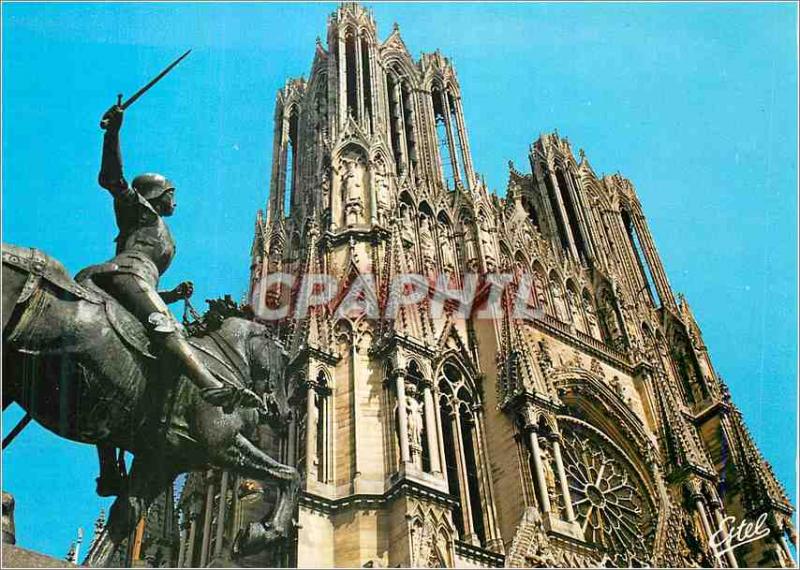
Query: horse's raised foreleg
[[245, 458]]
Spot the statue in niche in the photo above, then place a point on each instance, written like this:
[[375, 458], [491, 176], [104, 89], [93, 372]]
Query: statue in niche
[[549, 473], [415, 423], [407, 223], [559, 306], [382, 194], [426, 242], [470, 248], [352, 192], [610, 320], [575, 309], [541, 295], [487, 244], [591, 317], [325, 188], [448, 255]]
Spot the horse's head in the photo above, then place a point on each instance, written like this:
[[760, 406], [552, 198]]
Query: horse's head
[[262, 353]]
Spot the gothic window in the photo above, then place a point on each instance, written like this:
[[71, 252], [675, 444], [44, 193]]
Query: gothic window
[[551, 194], [409, 126], [638, 253], [366, 77], [609, 499], [571, 211], [321, 103], [402, 124], [290, 175], [462, 149], [395, 121], [531, 210], [446, 155], [464, 467], [352, 73], [324, 425]]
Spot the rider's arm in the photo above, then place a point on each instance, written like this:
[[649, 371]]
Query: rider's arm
[[111, 177], [182, 291]]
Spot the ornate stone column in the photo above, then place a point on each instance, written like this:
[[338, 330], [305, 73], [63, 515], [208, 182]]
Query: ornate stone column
[[461, 461], [493, 539], [700, 506], [181, 548], [716, 512], [223, 503], [430, 427], [311, 431], [562, 478], [562, 211], [189, 558], [402, 415], [451, 143], [207, 515]]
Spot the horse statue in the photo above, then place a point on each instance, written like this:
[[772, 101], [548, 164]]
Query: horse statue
[[82, 367]]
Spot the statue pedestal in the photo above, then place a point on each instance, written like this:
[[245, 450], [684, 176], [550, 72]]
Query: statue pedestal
[[555, 525]]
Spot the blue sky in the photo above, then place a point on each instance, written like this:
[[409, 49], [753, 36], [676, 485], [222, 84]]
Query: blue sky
[[695, 103]]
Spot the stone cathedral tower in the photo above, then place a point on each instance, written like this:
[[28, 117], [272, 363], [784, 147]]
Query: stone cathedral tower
[[590, 429]]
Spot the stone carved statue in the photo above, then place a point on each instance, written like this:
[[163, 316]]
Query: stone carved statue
[[575, 309], [487, 243], [540, 291], [407, 223], [470, 249], [448, 255], [426, 244], [549, 473], [559, 305], [352, 192], [382, 195], [415, 423], [591, 316]]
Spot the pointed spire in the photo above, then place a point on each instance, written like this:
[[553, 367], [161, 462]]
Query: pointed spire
[[682, 444], [762, 489], [311, 329], [408, 322], [517, 370], [75, 548]]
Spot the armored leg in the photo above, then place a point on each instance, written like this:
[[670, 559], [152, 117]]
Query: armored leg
[[141, 299]]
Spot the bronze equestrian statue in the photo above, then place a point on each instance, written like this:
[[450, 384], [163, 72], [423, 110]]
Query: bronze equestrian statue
[[101, 360]]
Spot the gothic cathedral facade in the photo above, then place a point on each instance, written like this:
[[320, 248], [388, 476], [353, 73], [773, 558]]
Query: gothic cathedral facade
[[591, 431]]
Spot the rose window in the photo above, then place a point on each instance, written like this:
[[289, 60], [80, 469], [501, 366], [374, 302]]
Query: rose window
[[608, 497]]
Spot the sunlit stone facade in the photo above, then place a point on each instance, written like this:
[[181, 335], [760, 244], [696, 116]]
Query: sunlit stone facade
[[592, 431]]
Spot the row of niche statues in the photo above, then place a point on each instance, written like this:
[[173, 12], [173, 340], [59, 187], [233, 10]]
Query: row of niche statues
[[431, 232], [359, 205], [601, 323], [363, 193]]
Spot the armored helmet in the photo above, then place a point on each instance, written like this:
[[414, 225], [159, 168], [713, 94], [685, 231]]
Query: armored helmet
[[151, 185]]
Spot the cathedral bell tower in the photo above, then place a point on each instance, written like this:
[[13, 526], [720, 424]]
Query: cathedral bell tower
[[587, 429]]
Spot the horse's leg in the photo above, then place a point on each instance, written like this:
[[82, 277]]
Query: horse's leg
[[147, 480], [245, 458]]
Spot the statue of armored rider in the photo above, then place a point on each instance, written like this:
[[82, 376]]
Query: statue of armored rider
[[144, 250]]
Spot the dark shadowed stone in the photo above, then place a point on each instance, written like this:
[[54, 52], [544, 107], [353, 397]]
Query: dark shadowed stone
[[16, 557]]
